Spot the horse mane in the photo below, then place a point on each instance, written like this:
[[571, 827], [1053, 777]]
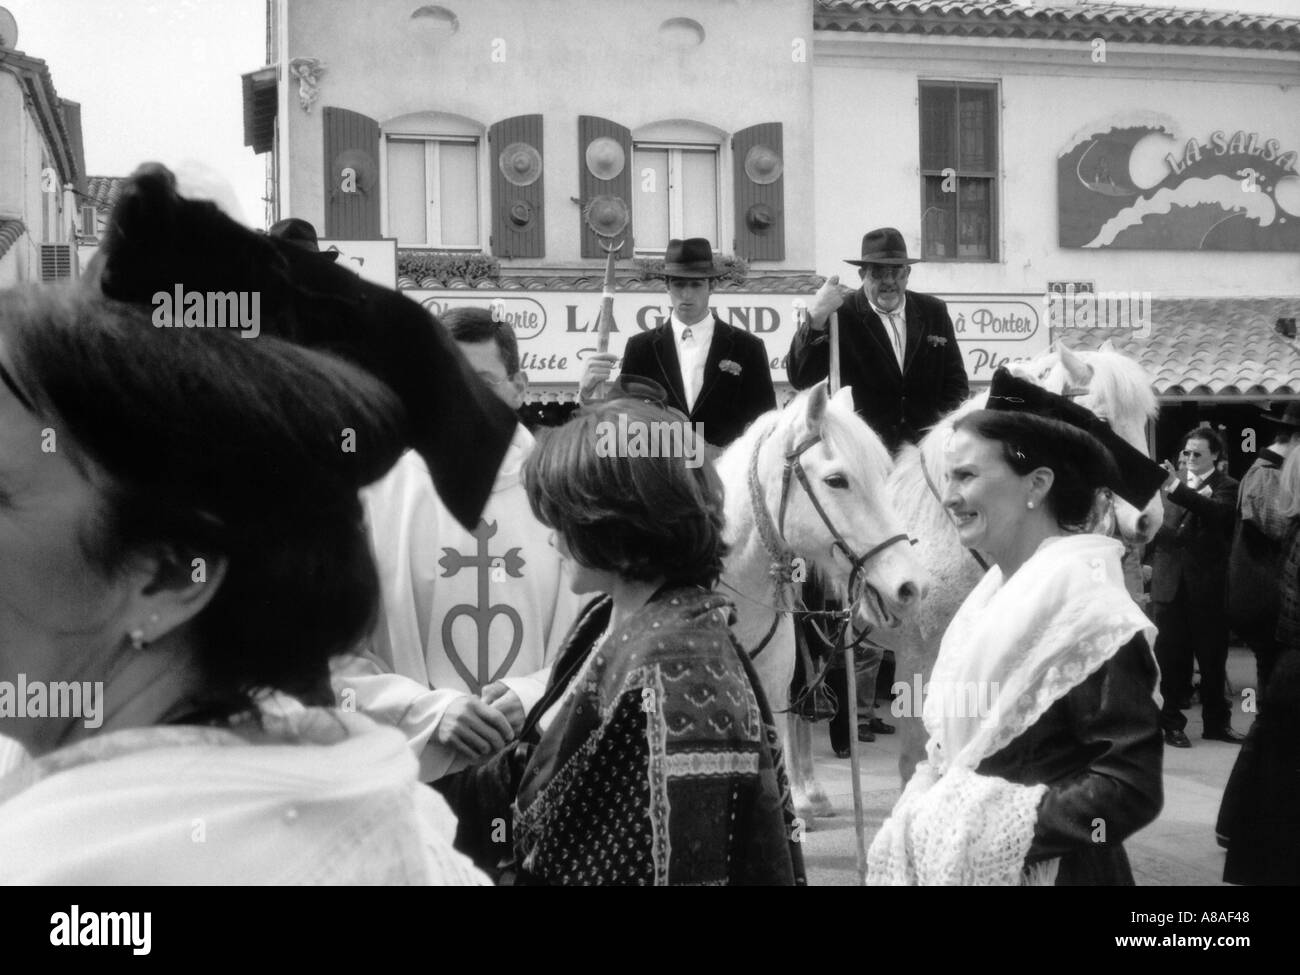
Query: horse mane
[[1121, 382]]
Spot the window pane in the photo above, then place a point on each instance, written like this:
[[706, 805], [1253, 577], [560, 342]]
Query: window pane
[[408, 204], [458, 193], [650, 199], [977, 130], [974, 236], [939, 221], [938, 125], [699, 188]]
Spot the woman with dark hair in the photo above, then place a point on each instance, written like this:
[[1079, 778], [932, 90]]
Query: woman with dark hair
[[181, 553], [1045, 749], [652, 758]]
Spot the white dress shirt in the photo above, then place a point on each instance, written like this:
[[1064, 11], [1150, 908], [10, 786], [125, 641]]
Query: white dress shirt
[[895, 327], [692, 350]]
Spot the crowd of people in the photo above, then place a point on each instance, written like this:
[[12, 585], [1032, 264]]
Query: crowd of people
[[353, 624]]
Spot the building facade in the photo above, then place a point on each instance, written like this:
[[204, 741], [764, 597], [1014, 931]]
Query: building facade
[[1069, 170], [42, 169]]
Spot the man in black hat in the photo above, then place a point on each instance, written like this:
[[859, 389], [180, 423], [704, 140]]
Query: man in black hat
[[1255, 559], [715, 373], [898, 349]]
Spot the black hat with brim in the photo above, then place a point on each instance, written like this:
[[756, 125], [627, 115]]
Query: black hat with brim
[[1289, 417], [690, 258], [1139, 476]]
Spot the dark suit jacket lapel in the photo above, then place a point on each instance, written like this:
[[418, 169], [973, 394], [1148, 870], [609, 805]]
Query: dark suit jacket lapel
[[876, 328], [916, 329], [666, 355], [719, 348]]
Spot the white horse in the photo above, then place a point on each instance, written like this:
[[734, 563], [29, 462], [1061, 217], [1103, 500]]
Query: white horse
[[1112, 386], [806, 489]]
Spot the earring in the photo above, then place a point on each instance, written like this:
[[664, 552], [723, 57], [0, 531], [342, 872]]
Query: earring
[[1030, 505], [136, 636]]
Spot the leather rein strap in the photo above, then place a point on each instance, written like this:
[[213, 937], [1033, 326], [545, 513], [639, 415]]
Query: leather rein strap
[[772, 535]]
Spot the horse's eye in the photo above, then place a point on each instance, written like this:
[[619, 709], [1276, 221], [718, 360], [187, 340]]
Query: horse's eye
[[837, 481]]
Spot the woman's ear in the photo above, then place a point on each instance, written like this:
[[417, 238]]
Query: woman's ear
[[170, 587], [1041, 480]]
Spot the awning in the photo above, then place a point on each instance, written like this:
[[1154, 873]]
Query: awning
[[1202, 348], [260, 108], [10, 233]]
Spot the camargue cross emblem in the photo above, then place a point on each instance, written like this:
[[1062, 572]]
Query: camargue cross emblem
[[490, 568]]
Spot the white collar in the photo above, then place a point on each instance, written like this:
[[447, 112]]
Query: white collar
[[701, 331], [900, 311]]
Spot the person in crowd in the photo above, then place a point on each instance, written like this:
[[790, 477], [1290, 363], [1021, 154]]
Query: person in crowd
[[471, 620], [1260, 811], [1188, 589], [1256, 554], [181, 554], [898, 351], [1044, 751], [715, 373], [652, 758]]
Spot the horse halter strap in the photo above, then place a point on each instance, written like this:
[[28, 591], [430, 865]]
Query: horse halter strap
[[793, 466]]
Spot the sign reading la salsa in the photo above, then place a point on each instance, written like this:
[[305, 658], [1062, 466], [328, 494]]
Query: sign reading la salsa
[[557, 329]]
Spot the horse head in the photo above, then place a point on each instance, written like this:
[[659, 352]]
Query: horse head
[[824, 474], [1119, 391]]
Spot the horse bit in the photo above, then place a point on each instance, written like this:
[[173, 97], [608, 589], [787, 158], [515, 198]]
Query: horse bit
[[782, 556]]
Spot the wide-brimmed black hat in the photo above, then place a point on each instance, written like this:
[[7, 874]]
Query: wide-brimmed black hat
[[1139, 476], [296, 231], [690, 258], [1288, 416], [884, 246]]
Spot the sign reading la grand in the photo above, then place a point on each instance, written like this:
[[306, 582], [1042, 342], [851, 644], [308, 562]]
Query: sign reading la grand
[[557, 329]]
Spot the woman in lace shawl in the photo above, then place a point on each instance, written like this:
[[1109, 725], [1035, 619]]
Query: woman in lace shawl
[[181, 552], [652, 758], [1045, 749]]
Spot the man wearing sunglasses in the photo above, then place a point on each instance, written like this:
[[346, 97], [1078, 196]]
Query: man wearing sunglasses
[[898, 349]]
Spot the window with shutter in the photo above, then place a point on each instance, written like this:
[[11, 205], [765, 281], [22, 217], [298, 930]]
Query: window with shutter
[[517, 173], [433, 191], [959, 171], [676, 194]]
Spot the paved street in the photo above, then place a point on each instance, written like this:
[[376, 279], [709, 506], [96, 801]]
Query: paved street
[[1177, 849]]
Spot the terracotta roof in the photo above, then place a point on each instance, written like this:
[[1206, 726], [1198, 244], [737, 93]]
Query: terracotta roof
[[1210, 346], [754, 284], [102, 191], [1060, 21], [10, 232]]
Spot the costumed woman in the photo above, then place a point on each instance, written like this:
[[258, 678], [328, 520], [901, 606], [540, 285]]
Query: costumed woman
[[181, 553], [1045, 749], [652, 758]]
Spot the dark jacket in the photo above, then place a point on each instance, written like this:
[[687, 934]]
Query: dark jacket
[[729, 399], [1099, 751], [899, 404], [1191, 547]]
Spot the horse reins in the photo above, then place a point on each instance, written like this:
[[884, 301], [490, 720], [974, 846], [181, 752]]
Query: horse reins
[[781, 556]]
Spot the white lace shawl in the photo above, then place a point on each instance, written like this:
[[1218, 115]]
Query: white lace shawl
[[1012, 650]]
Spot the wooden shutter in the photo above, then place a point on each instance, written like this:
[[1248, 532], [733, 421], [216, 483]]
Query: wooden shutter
[[517, 225], [760, 200], [591, 128], [351, 142]]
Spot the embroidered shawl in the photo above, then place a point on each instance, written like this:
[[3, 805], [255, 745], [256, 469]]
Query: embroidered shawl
[[663, 766]]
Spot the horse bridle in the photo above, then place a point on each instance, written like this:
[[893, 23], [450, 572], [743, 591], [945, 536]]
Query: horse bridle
[[778, 550]]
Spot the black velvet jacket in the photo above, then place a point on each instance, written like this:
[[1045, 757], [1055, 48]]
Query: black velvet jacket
[[1099, 751]]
